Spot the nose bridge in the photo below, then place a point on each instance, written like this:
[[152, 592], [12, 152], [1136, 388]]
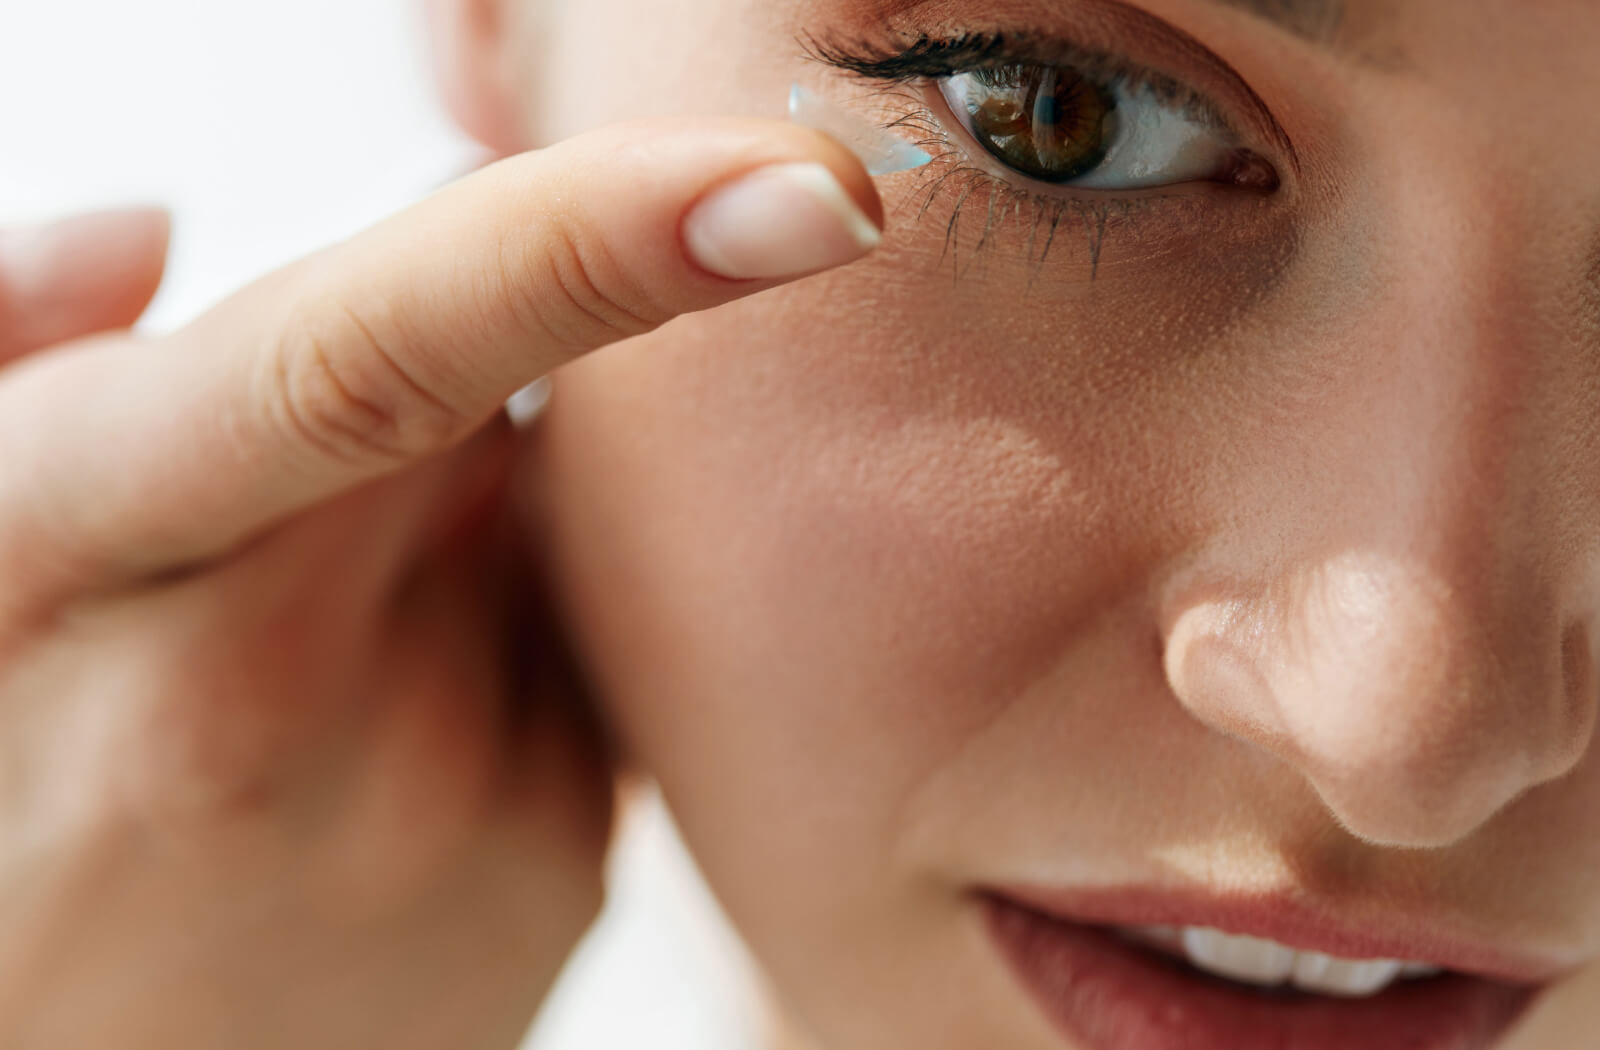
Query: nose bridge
[[1445, 484], [1467, 475], [1418, 645]]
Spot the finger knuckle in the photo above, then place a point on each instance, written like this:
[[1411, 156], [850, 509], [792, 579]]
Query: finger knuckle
[[341, 392], [577, 292]]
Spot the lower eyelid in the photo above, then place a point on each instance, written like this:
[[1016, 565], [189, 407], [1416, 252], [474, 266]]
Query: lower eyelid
[[1058, 223]]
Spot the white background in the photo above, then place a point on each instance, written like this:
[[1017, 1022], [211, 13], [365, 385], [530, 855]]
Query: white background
[[272, 127]]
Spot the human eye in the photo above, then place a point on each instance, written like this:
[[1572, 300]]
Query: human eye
[[1064, 116], [1064, 125]]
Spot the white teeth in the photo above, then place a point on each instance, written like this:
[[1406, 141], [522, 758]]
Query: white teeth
[[1316, 972], [1262, 962], [1242, 958]]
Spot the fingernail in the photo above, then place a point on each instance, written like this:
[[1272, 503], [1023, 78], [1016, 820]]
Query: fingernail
[[782, 221]]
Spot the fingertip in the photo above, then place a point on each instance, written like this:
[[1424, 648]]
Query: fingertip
[[850, 172], [79, 276], [800, 204], [125, 240], [133, 260], [37, 255], [779, 222], [85, 273]]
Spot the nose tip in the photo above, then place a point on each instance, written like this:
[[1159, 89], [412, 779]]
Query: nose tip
[[1414, 715]]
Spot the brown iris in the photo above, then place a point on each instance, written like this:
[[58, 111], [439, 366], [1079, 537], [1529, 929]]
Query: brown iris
[[1047, 122]]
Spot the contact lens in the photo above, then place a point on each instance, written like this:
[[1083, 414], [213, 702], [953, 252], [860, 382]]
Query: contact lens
[[881, 152]]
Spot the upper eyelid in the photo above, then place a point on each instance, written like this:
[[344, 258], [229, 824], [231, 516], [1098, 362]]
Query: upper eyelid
[[1135, 38], [933, 59]]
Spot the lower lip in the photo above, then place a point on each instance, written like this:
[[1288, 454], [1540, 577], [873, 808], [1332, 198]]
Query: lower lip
[[1106, 994]]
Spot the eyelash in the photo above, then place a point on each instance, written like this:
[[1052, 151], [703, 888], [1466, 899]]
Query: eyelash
[[928, 58], [902, 70]]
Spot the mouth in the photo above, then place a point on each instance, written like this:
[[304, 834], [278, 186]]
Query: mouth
[[1125, 972]]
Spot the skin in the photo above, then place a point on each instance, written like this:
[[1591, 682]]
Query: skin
[[1267, 559], [290, 755], [1257, 554]]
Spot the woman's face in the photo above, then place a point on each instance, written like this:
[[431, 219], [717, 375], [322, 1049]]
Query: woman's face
[[1233, 542]]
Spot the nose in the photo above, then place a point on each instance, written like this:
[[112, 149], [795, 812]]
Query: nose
[[1416, 706], [1400, 599]]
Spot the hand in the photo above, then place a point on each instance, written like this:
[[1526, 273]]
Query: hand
[[289, 758], [78, 277]]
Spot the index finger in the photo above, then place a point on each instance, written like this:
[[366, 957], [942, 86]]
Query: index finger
[[399, 343]]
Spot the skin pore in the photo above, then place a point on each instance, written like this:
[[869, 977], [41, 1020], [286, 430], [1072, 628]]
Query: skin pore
[[1241, 541]]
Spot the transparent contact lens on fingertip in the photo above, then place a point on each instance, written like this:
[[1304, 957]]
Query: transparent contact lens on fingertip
[[880, 151], [528, 404]]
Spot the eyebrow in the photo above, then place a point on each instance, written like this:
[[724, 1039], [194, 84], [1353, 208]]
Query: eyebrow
[[1318, 21]]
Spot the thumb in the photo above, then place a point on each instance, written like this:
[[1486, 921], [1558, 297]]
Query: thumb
[[399, 343]]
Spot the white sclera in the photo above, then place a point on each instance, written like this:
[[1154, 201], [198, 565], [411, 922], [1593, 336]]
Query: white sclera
[[881, 152]]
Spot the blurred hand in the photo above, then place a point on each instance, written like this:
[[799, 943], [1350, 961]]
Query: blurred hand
[[78, 277], [288, 758]]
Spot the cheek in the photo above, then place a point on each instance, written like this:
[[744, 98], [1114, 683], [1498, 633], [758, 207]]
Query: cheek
[[807, 571], [831, 553]]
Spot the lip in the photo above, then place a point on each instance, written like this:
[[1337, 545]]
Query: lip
[[1103, 993], [1293, 922]]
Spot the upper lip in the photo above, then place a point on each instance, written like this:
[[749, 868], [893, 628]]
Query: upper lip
[[1297, 922]]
